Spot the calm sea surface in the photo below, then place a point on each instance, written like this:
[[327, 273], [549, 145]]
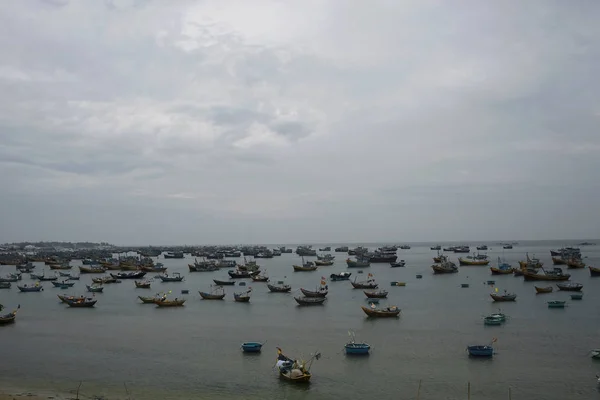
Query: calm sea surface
[[194, 351]]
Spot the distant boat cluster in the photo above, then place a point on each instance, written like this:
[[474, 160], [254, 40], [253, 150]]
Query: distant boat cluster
[[106, 271]]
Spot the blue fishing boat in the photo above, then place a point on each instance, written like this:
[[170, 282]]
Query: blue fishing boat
[[252, 347], [354, 348], [556, 304], [482, 350], [36, 288], [63, 284]]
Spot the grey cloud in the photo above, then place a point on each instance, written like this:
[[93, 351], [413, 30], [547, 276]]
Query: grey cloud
[[404, 119]]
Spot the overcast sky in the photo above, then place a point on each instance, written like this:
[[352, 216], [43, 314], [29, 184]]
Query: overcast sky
[[263, 121]]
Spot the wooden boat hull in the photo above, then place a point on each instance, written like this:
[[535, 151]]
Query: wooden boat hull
[[142, 285], [310, 301], [279, 289], [223, 283], [323, 263], [5, 285], [532, 276], [438, 269], [480, 351], [363, 285], [30, 289], [212, 296], [558, 261], [376, 295], [503, 298], [498, 271], [260, 278], [380, 313], [547, 289], [94, 289], [556, 304], [61, 284], [299, 268], [252, 347], [81, 304], [466, 262], [148, 300], [310, 293], [241, 299], [9, 318], [130, 275], [570, 288], [170, 303], [361, 349], [577, 296]]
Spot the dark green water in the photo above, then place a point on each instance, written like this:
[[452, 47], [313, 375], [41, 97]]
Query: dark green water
[[194, 351]]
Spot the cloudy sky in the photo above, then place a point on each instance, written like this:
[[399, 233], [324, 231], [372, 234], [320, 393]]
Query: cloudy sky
[[269, 121]]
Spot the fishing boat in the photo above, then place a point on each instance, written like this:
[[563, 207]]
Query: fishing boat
[[35, 288], [376, 294], [12, 278], [105, 280], [279, 287], [252, 347], [63, 297], [547, 289], [503, 297], [142, 284], [297, 371], [499, 315], [503, 268], [595, 354], [10, 317], [398, 264], [360, 263], [94, 288], [395, 283], [387, 312], [323, 263], [577, 296], [223, 283], [556, 304], [490, 320], [216, 293], [321, 291], [60, 266], [594, 271], [368, 284], [260, 278], [63, 284], [310, 301], [81, 302], [238, 273], [92, 270], [5, 285], [530, 263], [305, 268], [152, 299], [555, 275], [569, 287], [342, 276], [175, 277], [355, 348], [129, 275], [481, 350], [169, 303], [447, 267], [472, 261], [243, 297]]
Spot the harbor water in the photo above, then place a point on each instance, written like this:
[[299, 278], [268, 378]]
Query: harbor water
[[123, 346]]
